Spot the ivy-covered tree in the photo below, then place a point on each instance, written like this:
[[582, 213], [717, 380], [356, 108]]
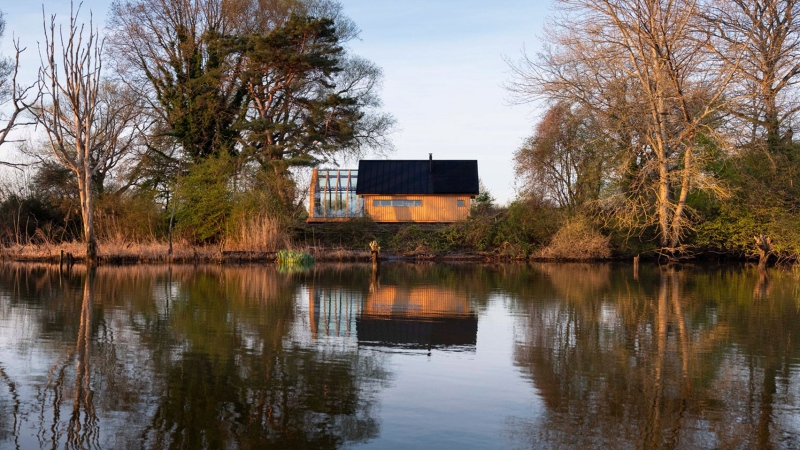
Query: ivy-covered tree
[[269, 83], [307, 101], [175, 54]]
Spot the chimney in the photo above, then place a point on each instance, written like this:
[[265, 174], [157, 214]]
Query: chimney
[[430, 162]]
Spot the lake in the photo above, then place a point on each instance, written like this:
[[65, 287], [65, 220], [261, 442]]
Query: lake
[[415, 356]]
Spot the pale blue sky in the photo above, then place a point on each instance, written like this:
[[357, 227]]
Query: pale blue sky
[[443, 65]]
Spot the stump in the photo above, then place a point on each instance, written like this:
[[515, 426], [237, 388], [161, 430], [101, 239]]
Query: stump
[[375, 252], [764, 245]]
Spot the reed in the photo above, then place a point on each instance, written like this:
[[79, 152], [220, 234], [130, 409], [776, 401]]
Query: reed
[[259, 233], [290, 260]]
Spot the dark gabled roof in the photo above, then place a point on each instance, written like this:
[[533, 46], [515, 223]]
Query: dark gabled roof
[[417, 177]]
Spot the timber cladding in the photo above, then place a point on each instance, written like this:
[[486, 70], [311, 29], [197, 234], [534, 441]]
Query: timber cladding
[[416, 208]]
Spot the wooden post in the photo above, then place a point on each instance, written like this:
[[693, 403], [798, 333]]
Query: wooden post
[[61, 261], [636, 267], [375, 252]]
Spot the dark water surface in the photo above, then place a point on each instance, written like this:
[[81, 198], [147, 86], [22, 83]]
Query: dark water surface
[[424, 356]]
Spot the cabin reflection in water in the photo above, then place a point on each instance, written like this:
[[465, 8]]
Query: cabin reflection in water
[[395, 316]]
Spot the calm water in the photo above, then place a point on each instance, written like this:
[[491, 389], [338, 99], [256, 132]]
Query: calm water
[[421, 356]]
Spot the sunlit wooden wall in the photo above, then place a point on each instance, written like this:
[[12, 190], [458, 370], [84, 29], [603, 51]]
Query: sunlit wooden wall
[[434, 208]]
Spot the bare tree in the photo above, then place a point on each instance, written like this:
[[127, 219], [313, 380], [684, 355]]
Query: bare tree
[[643, 67], [760, 40], [19, 97], [87, 132]]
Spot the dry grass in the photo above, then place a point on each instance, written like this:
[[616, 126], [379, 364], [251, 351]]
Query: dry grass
[[113, 251], [337, 254], [260, 234], [120, 251]]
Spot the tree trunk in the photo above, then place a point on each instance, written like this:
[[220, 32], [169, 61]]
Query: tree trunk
[[686, 183], [87, 211], [771, 121]]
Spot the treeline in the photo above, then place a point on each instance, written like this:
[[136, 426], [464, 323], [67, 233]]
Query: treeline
[[188, 118], [668, 125], [668, 130]]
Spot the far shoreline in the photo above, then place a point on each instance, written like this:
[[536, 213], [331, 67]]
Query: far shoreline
[[157, 253]]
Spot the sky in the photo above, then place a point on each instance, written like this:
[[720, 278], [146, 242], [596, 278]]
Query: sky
[[444, 64]]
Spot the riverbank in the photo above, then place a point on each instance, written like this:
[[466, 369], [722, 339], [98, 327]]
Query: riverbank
[[149, 253], [116, 253]]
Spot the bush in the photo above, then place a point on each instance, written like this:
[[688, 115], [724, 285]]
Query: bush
[[577, 240], [31, 220], [129, 218], [204, 200]]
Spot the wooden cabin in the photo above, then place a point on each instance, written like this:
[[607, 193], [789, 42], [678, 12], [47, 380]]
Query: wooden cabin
[[395, 191]]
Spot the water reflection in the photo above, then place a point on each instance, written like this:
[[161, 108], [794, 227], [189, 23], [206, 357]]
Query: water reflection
[[408, 313], [677, 359], [566, 356], [173, 357]]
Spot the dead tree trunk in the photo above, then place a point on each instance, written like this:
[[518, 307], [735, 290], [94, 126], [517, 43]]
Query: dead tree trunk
[[764, 246]]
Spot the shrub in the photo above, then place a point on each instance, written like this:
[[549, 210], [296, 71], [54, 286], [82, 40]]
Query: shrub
[[204, 200], [123, 218], [577, 240]]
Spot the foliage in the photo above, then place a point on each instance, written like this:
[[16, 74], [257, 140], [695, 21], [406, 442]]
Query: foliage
[[204, 200], [177, 55], [577, 240], [294, 258], [483, 203], [648, 89], [301, 68], [32, 220], [514, 231], [126, 218], [354, 233], [269, 82], [565, 160]]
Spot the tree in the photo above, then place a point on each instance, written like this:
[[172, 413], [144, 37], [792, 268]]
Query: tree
[[87, 131], [306, 101], [176, 54], [19, 97], [564, 160], [644, 68], [760, 41], [269, 82]]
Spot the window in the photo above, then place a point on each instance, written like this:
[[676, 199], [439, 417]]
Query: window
[[397, 203], [459, 203], [335, 194]]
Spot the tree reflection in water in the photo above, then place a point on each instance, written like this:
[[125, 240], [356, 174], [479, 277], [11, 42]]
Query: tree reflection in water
[[218, 357], [677, 359], [160, 357]]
